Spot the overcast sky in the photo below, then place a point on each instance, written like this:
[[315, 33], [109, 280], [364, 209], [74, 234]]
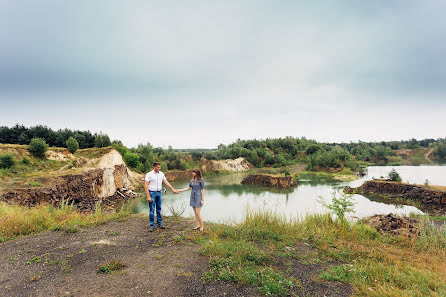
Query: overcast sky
[[200, 73]]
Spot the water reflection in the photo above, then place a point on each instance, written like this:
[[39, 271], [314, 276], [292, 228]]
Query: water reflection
[[227, 200]]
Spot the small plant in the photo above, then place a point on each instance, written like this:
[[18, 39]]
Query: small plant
[[25, 161], [72, 144], [340, 204], [7, 160], [394, 175], [177, 211], [110, 266], [35, 184], [286, 172], [427, 182], [38, 147]]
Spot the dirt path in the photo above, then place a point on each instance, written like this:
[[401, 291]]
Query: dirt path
[[162, 263], [427, 154]]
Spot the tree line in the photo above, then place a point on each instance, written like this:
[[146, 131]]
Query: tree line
[[20, 134]]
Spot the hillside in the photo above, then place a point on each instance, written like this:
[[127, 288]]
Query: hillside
[[85, 178]]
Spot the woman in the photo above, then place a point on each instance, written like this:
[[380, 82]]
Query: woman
[[196, 197]]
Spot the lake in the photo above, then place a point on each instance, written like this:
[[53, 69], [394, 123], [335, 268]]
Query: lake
[[226, 200]]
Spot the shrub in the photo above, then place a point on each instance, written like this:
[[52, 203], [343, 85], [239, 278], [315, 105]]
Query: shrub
[[340, 204], [72, 144], [7, 160], [394, 175], [37, 146], [25, 161], [119, 147], [131, 159]]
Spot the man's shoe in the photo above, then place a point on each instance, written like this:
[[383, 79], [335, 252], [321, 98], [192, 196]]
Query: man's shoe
[[151, 229], [161, 227]]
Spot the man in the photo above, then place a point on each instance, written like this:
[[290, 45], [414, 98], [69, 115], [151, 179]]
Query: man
[[154, 185]]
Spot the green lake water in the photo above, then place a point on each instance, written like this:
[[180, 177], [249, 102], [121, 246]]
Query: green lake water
[[226, 200]]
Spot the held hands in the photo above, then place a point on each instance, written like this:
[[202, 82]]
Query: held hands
[[175, 191]]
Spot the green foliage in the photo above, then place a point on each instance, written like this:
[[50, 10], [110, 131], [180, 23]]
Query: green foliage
[[37, 147], [72, 144], [394, 175], [117, 145], [440, 150], [131, 159], [341, 204], [101, 140], [19, 134], [110, 266], [7, 160], [286, 172], [25, 161]]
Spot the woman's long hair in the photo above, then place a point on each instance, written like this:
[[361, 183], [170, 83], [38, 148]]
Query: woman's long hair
[[197, 175]]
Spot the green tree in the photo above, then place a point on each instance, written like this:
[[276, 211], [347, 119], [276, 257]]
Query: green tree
[[7, 160], [72, 144], [394, 175], [102, 140], [131, 159], [37, 147]]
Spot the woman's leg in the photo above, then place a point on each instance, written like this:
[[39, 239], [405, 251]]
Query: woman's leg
[[200, 219], [197, 220]]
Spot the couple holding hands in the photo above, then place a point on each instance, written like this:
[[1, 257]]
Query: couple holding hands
[[154, 185]]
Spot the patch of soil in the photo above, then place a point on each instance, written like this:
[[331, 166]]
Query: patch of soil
[[306, 268], [394, 225], [160, 263]]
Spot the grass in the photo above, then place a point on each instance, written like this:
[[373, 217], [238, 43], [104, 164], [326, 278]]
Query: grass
[[18, 220], [111, 266], [373, 264], [346, 174]]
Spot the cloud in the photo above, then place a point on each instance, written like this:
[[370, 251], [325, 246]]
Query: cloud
[[234, 69]]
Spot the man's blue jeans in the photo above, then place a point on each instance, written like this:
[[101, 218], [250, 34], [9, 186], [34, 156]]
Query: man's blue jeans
[[156, 203]]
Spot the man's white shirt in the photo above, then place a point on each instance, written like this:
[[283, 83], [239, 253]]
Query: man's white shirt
[[155, 180]]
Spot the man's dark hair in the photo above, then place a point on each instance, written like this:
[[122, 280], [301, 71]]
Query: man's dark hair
[[156, 164]]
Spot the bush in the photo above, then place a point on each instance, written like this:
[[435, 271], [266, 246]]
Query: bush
[[7, 160], [25, 161], [37, 146], [341, 204], [131, 159], [394, 175], [72, 144], [119, 147]]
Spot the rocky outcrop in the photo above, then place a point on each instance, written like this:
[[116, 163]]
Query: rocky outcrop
[[269, 180], [83, 190], [430, 198], [109, 182], [394, 225], [236, 165]]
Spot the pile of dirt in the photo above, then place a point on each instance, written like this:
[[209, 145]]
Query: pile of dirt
[[269, 180], [236, 165], [174, 175], [428, 196], [394, 225]]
